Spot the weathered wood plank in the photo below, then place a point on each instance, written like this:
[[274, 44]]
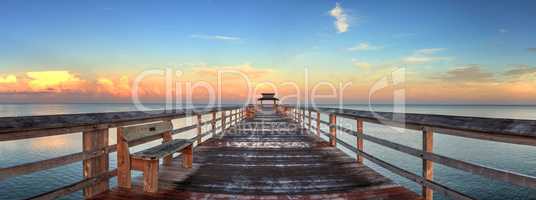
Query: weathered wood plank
[[517, 131], [94, 166], [68, 189], [333, 129], [28, 168], [14, 128], [150, 176], [137, 132], [360, 146], [427, 165], [496, 174], [444, 190], [162, 150], [124, 179]]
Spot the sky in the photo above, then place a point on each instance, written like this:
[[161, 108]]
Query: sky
[[435, 52]]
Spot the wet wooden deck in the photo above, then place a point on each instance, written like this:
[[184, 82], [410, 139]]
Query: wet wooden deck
[[267, 158]]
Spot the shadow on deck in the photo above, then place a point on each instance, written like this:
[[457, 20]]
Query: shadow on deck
[[267, 158]]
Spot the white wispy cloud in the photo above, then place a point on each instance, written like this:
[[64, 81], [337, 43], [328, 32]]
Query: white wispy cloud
[[215, 37], [364, 47], [361, 64], [341, 19], [424, 56]]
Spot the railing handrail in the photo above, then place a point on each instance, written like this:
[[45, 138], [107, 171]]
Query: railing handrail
[[516, 131], [29, 127], [14, 128], [505, 131]]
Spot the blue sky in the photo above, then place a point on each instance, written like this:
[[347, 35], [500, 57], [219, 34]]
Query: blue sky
[[427, 37]]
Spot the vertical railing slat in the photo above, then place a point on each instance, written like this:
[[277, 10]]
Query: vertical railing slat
[[333, 129], [359, 130], [427, 165], [94, 140]]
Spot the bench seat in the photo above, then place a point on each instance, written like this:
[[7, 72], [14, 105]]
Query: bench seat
[[147, 160], [162, 150]]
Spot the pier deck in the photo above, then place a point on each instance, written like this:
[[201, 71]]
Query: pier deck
[[268, 157]]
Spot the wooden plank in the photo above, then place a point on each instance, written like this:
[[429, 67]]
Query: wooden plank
[[136, 132], [187, 157], [14, 128], [167, 137], [310, 119], [360, 146], [94, 166], [162, 150], [68, 189], [517, 131], [495, 174], [213, 123], [28, 168], [443, 190], [318, 123], [199, 126], [124, 179], [150, 176], [223, 122], [333, 129], [427, 165]]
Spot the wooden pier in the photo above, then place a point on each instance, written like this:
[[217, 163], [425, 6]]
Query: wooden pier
[[257, 152], [267, 157]]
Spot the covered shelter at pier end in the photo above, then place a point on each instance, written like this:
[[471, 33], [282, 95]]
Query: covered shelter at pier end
[[268, 97]]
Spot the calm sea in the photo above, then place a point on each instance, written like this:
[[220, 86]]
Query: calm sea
[[516, 158]]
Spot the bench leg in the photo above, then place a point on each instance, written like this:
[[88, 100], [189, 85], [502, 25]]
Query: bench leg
[[188, 156], [150, 176]]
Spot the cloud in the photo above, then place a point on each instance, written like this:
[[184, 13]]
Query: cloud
[[53, 80], [117, 88], [364, 47], [468, 73], [8, 79], [502, 30], [531, 50], [424, 56], [361, 64], [520, 70], [341, 19], [216, 37]]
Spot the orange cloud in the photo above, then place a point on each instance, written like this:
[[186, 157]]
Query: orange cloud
[[120, 87], [8, 79], [53, 81]]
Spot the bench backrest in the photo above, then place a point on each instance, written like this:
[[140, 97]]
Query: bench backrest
[[131, 133]]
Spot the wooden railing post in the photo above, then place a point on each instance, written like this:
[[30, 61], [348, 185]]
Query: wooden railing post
[[230, 118], [299, 118], [95, 140], [427, 165], [213, 123], [199, 138], [359, 130], [318, 123], [309, 121], [333, 129], [167, 137], [223, 121], [303, 117]]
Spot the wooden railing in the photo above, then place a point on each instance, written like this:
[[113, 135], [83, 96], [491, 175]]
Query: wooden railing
[[96, 149], [513, 131]]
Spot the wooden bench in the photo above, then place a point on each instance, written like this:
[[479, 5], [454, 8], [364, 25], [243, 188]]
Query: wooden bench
[[147, 160]]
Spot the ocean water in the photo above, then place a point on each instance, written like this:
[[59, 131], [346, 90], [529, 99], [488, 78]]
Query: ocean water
[[517, 158]]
